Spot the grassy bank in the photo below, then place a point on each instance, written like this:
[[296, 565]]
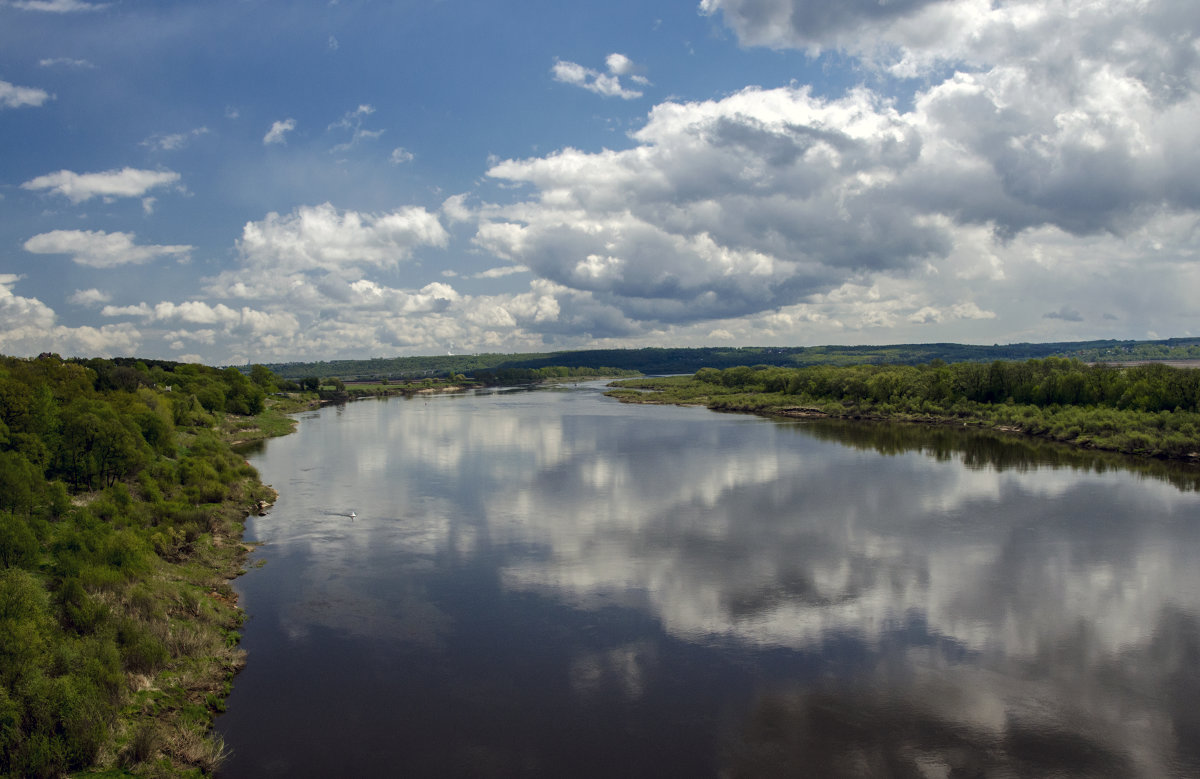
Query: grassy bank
[[178, 621], [357, 390], [1148, 410], [272, 422]]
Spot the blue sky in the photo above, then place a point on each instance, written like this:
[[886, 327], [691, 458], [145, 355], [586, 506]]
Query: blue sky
[[251, 180]]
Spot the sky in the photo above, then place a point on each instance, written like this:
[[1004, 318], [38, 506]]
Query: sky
[[265, 181]]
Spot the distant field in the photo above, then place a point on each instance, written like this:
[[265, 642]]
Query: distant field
[[1172, 363]]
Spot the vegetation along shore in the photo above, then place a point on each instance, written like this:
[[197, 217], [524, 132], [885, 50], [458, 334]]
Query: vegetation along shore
[[1151, 410], [121, 510]]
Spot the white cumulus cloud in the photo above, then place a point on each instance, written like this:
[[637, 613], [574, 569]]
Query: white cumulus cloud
[[353, 122], [618, 64], [606, 84], [279, 131], [324, 238], [173, 141], [505, 270], [17, 311], [431, 298], [252, 327], [78, 187], [28, 327], [57, 6], [99, 249], [67, 62], [455, 208], [12, 96], [140, 309], [89, 297], [722, 208]]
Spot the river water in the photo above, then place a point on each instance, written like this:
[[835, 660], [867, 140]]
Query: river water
[[551, 583]]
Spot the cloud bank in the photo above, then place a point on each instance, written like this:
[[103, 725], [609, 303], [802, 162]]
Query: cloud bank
[[1042, 128]]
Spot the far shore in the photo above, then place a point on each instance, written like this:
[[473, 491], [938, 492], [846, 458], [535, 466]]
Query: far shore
[[1001, 419]]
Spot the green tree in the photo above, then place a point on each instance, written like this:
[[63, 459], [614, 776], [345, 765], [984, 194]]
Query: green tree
[[20, 480], [98, 445], [15, 399], [211, 395], [264, 378], [24, 624], [18, 545]]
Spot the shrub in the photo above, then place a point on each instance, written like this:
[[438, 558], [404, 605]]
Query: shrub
[[19, 547], [141, 651], [143, 745]]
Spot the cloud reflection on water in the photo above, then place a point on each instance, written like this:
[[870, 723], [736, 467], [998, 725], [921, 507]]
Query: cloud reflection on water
[[1040, 616]]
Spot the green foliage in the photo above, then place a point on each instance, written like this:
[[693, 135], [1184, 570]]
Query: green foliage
[[19, 481], [113, 584], [1151, 409], [19, 547], [25, 624], [1049, 382], [264, 378]]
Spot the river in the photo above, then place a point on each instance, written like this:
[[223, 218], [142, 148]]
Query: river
[[551, 583]]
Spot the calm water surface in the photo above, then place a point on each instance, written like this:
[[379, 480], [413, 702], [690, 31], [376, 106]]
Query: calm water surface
[[550, 583]]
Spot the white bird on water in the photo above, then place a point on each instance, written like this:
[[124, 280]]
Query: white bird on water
[[352, 515]]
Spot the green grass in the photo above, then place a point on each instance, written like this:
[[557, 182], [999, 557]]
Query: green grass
[[271, 423]]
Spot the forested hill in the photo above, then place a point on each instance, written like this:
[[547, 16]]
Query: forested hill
[[690, 360]]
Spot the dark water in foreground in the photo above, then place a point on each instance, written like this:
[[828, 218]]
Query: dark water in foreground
[[551, 583]]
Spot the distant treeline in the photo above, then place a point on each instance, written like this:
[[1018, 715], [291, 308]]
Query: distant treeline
[[690, 360], [524, 375], [115, 495], [1147, 409], [1052, 381]]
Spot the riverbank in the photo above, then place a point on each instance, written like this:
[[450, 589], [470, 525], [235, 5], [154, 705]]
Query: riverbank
[[1173, 435], [361, 390], [187, 612], [121, 527], [166, 728]]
